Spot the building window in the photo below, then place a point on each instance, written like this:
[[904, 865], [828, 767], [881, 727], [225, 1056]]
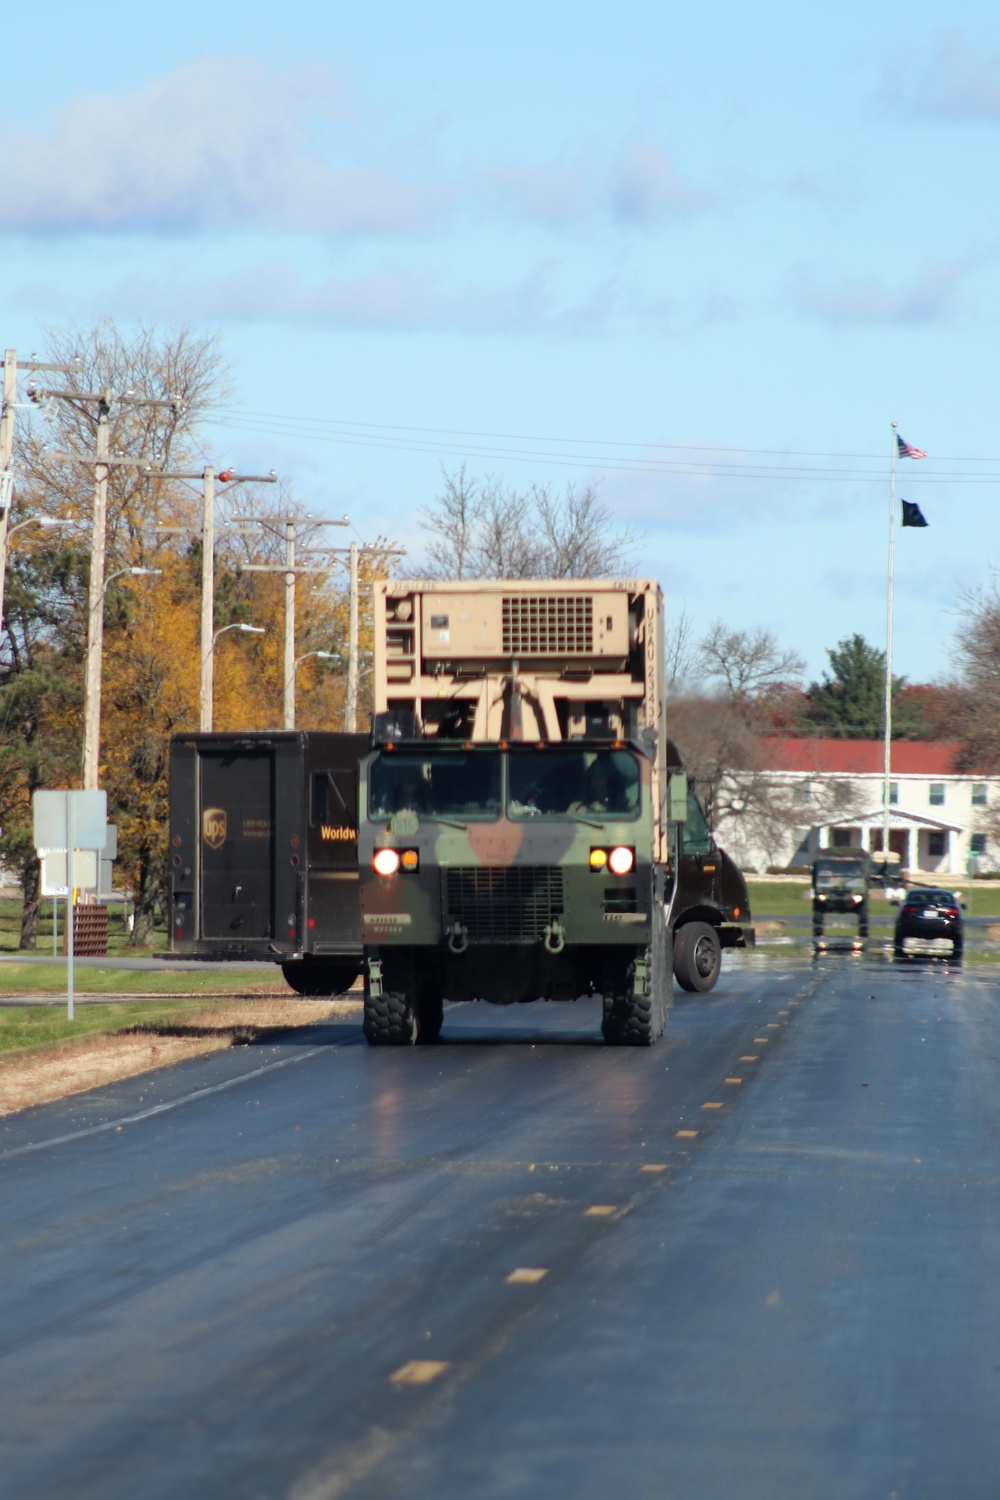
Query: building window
[[977, 843], [935, 845], [893, 793], [841, 838], [979, 794], [937, 794]]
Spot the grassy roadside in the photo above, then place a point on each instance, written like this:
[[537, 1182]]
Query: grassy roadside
[[783, 898], [50, 979], [44, 1025]]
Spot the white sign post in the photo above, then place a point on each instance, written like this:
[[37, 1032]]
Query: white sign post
[[72, 824]]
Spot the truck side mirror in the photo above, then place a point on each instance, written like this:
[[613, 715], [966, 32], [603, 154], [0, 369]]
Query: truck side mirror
[[677, 808]]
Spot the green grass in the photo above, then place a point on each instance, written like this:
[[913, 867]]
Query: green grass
[[118, 933], [42, 1026], [778, 898], [45, 979]]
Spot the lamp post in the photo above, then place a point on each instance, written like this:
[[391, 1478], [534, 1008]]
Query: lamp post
[[246, 630], [94, 672], [321, 656]]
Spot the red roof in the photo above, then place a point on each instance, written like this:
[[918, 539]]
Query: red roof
[[860, 757]]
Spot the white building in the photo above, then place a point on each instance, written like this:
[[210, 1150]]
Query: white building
[[939, 819]]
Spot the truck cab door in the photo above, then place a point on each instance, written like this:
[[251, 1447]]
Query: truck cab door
[[699, 861]]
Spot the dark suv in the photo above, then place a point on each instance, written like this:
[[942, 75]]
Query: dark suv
[[929, 914]]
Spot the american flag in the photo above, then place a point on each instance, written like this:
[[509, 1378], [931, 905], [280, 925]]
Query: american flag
[[907, 450]]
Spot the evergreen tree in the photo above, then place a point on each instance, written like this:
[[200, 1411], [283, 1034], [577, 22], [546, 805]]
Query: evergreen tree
[[850, 701]]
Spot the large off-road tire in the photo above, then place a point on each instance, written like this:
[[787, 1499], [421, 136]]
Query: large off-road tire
[[634, 1018], [697, 957], [817, 924], [430, 1016], [309, 976], [390, 1020]]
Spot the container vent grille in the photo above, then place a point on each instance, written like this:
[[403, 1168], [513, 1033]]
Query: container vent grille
[[548, 624], [504, 905]]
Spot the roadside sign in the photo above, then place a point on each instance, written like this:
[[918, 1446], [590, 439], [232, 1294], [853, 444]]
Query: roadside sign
[[70, 820], [55, 875]]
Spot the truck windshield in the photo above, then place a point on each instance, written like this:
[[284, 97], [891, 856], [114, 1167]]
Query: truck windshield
[[441, 784], [563, 783], [830, 875]]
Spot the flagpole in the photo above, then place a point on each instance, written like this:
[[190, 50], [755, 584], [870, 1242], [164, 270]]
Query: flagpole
[[888, 657]]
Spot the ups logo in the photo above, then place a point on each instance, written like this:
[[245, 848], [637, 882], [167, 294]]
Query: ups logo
[[213, 827]]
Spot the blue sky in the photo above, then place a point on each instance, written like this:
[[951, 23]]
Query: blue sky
[[702, 256]]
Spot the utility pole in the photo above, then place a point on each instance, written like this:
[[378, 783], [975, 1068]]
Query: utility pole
[[95, 599], [351, 715], [208, 476], [6, 454], [354, 609], [290, 571], [288, 695]]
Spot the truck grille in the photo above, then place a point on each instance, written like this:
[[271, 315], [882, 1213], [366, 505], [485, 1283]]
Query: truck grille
[[548, 624], [511, 905]]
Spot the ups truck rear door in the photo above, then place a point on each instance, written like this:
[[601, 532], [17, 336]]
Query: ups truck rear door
[[237, 844]]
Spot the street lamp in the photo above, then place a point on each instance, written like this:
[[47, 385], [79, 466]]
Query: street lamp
[[5, 536], [208, 711], [92, 681], [290, 705]]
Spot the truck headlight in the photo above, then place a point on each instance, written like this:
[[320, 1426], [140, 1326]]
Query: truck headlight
[[621, 860], [385, 861]]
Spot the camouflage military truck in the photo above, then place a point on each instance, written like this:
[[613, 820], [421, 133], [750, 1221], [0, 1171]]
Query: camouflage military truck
[[521, 826], [840, 884], [264, 852]]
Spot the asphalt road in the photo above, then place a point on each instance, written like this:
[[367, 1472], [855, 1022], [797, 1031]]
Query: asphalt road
[[285, 1271]]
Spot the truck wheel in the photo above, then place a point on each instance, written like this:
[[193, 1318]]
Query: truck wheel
[[430, 1016], [390, 1021], [697, 956], [632, 1019], [817, 927], [863, 926]]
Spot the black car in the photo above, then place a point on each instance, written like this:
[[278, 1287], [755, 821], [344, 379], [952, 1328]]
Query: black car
[[929, 913]]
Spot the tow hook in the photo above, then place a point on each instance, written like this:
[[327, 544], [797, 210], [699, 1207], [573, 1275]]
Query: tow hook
[[555, 937], [458, 938]]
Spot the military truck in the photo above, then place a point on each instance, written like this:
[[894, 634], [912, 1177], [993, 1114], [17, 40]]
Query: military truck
[[526, 830], [264, 852], [840, 880]]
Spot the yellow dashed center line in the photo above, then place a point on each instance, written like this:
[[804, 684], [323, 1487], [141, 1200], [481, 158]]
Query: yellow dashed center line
[[761, 1041], [734, 1080], [686, 1135], [526, 1275], [713, 1104], [419, 1372], [599, 1210], [774, 1025], [748, 1057], [654, 1166]]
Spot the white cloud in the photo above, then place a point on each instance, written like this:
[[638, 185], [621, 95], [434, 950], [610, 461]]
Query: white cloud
[[220, 143], [388, 298], [228, 144], [646, 187], [864, 301], [955, 81]]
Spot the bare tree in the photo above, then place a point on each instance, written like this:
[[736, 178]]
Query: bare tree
[[747, 662], [680, 652], [485, 529]]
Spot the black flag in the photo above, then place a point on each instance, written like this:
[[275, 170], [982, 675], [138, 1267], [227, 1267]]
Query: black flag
[[912, 515]]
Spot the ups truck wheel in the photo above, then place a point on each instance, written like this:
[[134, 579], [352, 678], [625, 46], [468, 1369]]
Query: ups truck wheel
[[390, 1021], [697, 956]]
